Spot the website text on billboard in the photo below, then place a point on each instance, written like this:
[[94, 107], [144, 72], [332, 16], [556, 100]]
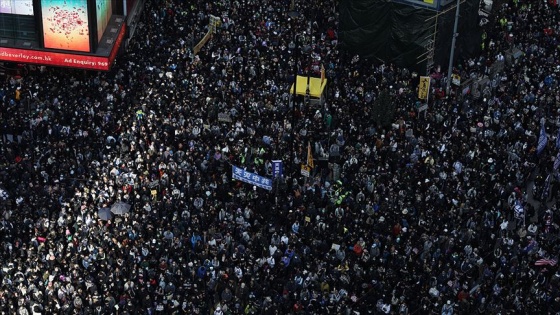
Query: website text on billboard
[[54, 59]]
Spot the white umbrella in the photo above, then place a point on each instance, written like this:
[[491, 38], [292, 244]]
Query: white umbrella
[[120, 208]]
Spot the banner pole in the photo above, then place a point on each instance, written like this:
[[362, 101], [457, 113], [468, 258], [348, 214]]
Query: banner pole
[[452, 53], [292, 153]]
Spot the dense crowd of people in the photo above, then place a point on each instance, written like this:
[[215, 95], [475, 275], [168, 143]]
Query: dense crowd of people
[[428, 215]]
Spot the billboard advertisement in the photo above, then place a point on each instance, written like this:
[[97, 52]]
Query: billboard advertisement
[[65, 24], [103, 11], [60, 59], [22, 7]]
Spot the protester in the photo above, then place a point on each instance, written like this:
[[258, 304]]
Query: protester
[[429, 215]]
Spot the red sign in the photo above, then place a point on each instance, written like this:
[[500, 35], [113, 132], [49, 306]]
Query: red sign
[[60, 59], [116, 46]]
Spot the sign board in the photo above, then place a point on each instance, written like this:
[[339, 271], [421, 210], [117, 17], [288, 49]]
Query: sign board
[[456, 79], [305, 170], [277, 168], [336, 171], [409, 133], [63, 59], [250, 178], [485, 8], [224, 117], [214, 22], [334, 150], [516, 53], [310, 162], [424, 87]]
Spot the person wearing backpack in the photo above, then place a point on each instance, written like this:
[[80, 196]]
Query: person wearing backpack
[[447, 309]]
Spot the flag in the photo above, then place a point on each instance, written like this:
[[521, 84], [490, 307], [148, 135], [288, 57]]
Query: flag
[[518, 209], [532, 244], [545, 262], [310, 162], [557, 161], [543, 140], [546, 188]]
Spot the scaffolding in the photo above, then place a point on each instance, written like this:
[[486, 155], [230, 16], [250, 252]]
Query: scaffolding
[[429, 44], [430, 40]]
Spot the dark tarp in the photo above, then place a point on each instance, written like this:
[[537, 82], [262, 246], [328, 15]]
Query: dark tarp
[[397, 33], [469, 38]]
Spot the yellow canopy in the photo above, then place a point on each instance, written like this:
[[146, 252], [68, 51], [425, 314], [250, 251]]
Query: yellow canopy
[[316, 87]]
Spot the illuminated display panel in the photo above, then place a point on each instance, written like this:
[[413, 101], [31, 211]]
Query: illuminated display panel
[[61, 59], [21, 7], [65, 24], [103, 10]]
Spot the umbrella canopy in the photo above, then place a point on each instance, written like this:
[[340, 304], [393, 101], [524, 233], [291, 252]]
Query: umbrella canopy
[[120, 208], [3, 194], [104, 214]]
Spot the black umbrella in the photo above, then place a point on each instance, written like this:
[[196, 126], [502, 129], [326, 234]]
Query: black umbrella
[[104, 214], [120, 208]]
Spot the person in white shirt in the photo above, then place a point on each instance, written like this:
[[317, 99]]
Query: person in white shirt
[[271, 262], [272, 249]]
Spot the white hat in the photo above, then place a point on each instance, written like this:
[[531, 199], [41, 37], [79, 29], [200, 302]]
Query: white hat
[[405, 211], [490, 160]]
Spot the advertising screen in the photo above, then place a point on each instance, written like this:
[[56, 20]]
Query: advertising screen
[[23, 7], [65, 24], [61, 59], [103, 10]]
